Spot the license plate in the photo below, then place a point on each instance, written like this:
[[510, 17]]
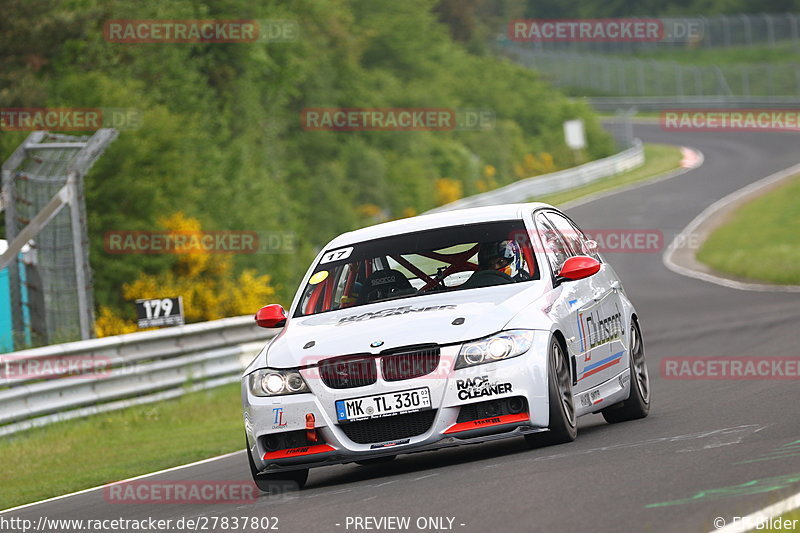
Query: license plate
[[380, 405]]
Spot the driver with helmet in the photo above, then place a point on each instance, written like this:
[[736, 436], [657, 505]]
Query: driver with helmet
[[499, 262]]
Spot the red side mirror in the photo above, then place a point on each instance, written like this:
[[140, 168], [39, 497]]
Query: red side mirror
[[271, 316], [579, 267]]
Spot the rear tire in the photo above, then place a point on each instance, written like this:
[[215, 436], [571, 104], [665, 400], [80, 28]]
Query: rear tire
[[638, 403], [563, 423], [279, 482]]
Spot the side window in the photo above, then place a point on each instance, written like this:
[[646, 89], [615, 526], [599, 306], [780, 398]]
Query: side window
[[555, 247], [573, 235]]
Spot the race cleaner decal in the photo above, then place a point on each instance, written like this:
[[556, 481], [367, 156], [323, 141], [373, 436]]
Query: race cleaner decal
[[392, 312], [478, 387]]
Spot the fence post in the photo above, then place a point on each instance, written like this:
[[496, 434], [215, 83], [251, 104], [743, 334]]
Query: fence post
[[706, 32], [797, 80], [770, 30], [748, 30], [640, 76], [726, 30], [770, 80], [623, 82], [659, 72], [745, 80], [723, 83], [793, 29], [698, 81]]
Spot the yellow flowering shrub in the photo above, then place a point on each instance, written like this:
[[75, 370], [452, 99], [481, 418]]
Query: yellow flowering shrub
[[534, 166], [204, 280], [369, 210], [107, 323], [448, 190]]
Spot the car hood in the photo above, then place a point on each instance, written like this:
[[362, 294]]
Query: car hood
[[425, 319]]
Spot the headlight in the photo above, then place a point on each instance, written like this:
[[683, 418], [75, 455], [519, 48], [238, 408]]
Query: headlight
[[272, 382], [503, 345]]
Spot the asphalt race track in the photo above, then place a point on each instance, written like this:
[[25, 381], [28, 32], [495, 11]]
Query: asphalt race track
[[708, 449]]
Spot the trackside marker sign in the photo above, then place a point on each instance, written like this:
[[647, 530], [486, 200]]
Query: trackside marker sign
[[159, 312]]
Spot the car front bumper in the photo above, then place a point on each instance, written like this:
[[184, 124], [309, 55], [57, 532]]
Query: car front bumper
[[522, 378]]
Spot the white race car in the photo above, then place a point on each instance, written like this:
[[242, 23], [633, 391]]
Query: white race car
[[440, 330]]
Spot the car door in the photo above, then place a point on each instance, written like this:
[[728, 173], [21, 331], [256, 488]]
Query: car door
[[569, 299], [600, 319]]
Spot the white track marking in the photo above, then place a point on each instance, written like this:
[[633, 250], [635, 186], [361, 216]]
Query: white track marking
[[749, 522], [709, 212], [84, 491]]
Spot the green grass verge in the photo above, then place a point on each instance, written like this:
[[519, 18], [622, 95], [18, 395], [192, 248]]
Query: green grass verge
[[781, 54], [77, 454], [760, 241], [659, 158]]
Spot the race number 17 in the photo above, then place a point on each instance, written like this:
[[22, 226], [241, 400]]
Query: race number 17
[[336, 255]]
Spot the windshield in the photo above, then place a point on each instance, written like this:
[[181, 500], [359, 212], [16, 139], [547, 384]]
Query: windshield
[[413, 264]]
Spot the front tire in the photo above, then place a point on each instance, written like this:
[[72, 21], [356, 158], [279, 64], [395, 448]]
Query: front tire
[[638, 403], [279, 482], [563, 423]]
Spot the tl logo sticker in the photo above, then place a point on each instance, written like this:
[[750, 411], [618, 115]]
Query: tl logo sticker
[[279, 421]]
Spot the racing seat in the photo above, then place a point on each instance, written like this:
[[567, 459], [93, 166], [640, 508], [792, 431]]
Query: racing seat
[[383, 284]]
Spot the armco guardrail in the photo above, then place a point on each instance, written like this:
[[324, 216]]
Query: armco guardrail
[[522, 191], [643, 103], [38, 386]]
